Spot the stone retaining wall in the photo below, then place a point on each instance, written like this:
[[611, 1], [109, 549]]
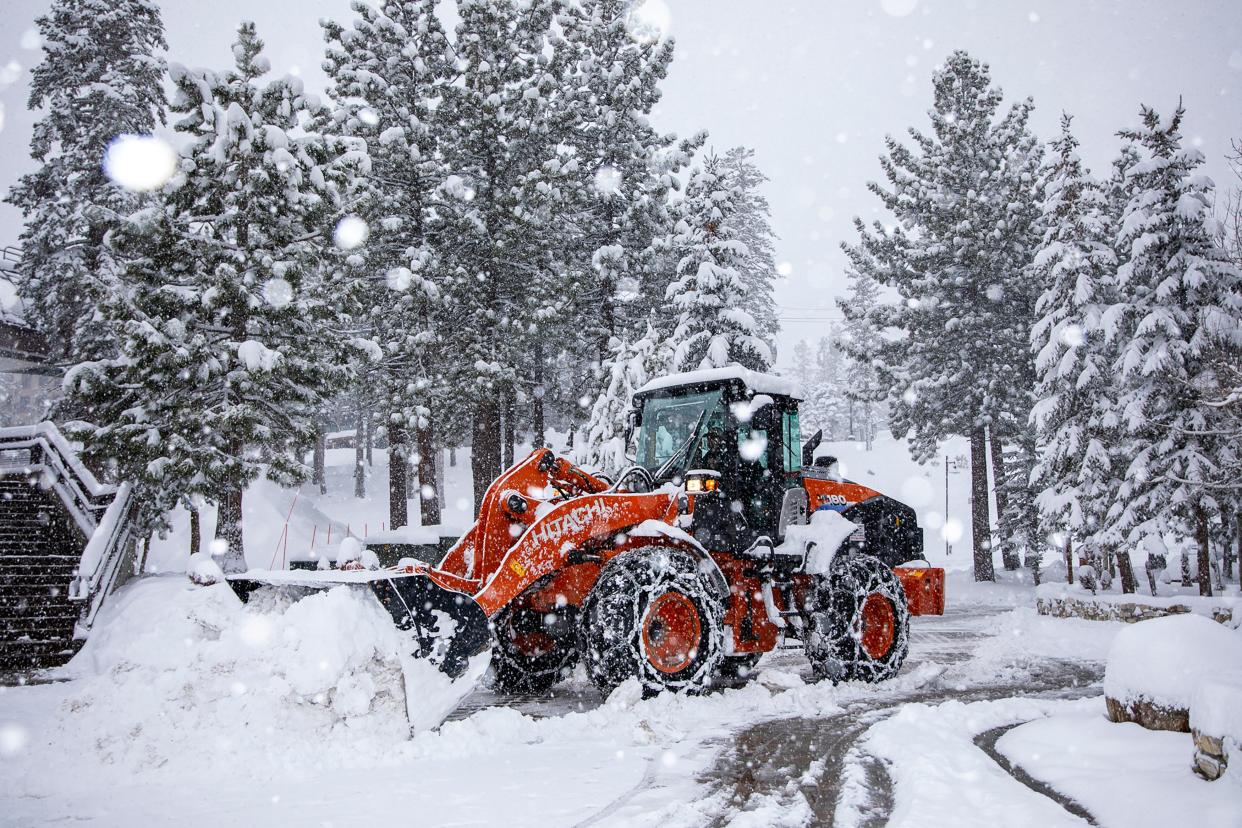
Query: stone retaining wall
[[1128, 611]]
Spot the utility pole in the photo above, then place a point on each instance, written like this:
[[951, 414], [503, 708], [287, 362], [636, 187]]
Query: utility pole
[[948, 547]]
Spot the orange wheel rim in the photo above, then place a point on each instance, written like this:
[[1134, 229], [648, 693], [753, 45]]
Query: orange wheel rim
[[671, 632], [879, 625], [533, 644]]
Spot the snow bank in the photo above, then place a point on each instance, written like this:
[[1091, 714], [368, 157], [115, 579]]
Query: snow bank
[[1165, 660], [1122, 774], [1216, 708], [178, 676]]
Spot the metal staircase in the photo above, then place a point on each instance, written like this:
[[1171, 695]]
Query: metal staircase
[[65, 543]]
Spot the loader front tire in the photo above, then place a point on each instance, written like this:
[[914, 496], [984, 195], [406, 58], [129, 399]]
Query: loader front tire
[[533, 650], [859, 629], [654, 615]]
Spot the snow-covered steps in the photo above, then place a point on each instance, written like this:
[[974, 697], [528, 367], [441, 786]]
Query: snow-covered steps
[[62, 538], [39, 552]]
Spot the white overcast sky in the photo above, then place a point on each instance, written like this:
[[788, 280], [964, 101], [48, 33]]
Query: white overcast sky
[[812, 86]]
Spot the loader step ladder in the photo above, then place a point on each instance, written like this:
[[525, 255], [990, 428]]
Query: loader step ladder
[[65, 543]]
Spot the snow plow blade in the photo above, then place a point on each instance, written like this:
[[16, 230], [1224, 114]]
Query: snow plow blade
[[448, 626]]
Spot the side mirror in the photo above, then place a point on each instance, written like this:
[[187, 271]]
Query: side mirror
[[633, 418], [825, 462], [808, 448]]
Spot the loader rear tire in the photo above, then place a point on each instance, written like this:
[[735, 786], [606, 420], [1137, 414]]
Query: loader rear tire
[[533, 650], [654, 615], [860, 627]]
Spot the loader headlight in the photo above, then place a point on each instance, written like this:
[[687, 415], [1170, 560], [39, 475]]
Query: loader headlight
[[702, 481]]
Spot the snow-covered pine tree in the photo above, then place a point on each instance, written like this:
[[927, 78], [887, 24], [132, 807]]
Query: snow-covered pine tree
[[625, 168], [227, 312], [629, 368], [826, 406], [101, 77], [386, 72], [499, 208], [802, 362], [1076, 474], [752, 223], [1180, 306], [713, 328], [860, 342], [965, 212]]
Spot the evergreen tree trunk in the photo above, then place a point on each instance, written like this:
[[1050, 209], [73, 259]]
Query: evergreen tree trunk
[[538, 439], [1202, 538], [229, 522], [428, 489], [1009, 555], [1069, 558], [979, 528], [195, 529], [318, 475], [398, 502], [369, 423], [1237, 535], [485, 446], [510, 429], [439, 464], [360, 455], [1129, 584], [452, 457]]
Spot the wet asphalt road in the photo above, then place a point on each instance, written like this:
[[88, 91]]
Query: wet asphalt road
[[785, 758]]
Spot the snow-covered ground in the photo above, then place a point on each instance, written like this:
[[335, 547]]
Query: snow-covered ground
[[188, 706]]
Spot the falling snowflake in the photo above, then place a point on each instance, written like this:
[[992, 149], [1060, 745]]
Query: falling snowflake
[[784, 268], [256, 630], [1072, 335], [608, 181], [277, 292], [140, 163], [649, 21], [13, 738], [218, 546], [753, 448], [898, 8], [351, 232]]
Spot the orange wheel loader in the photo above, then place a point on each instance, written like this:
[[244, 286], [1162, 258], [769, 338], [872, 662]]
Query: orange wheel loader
[[725, 538]]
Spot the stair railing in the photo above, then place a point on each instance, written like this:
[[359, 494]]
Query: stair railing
[[102, 512]]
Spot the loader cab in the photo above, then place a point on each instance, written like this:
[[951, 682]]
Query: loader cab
[[740, 424]]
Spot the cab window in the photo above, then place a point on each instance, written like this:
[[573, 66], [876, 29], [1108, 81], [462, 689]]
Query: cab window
[[792, 442]]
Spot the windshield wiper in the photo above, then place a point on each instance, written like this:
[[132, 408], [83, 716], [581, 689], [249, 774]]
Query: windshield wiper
[[694, 434]]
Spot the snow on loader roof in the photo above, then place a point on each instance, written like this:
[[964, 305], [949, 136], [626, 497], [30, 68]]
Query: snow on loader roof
[[756, 381]]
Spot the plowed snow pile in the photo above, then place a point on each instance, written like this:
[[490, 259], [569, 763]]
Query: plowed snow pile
[[180, 675]]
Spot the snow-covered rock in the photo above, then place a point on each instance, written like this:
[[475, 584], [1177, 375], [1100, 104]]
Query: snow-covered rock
[[1156, 667]]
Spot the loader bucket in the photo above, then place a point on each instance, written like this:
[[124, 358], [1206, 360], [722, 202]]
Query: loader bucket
[[449, 626]]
